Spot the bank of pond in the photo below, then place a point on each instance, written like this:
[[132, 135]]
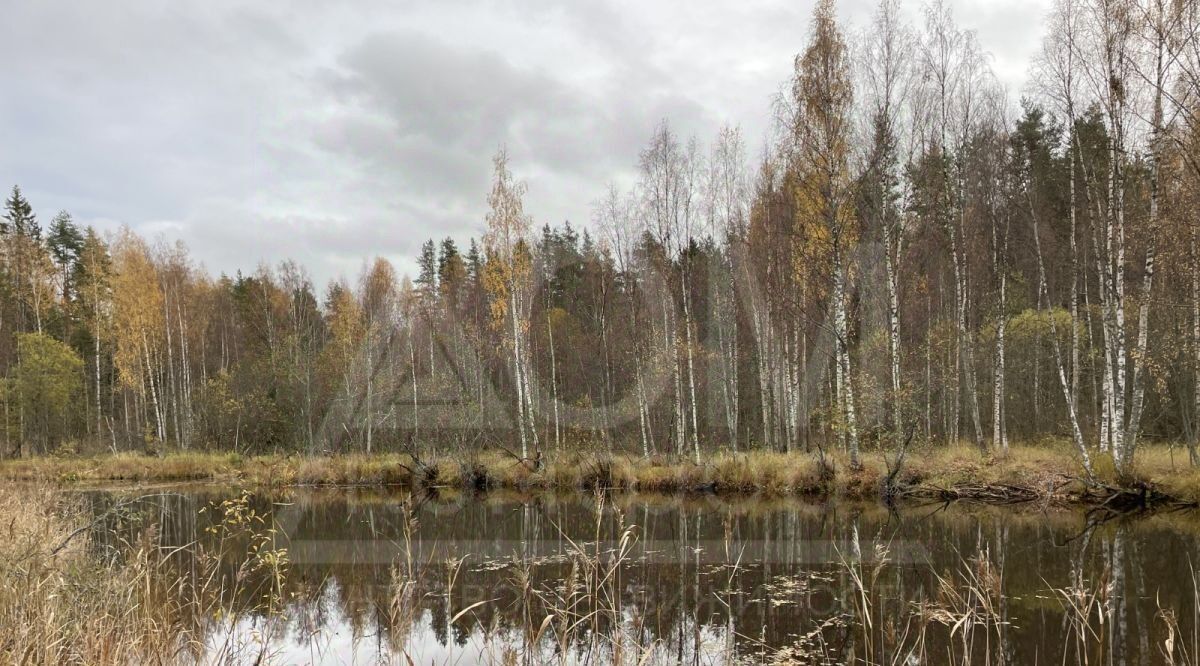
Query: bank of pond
[[1049, 472]]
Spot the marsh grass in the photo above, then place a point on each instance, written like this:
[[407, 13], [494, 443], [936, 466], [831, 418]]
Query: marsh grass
[[1087, 605], [965, 607], [1178, 647], [65, 601], [1046, 470], [71, 607]]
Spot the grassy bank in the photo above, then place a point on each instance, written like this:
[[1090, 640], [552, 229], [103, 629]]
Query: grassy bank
[[1046, 471]]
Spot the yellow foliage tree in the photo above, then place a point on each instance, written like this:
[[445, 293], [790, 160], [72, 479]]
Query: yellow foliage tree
[[822, 97], [138, 321]]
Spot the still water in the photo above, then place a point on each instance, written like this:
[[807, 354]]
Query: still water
[[375, 576]]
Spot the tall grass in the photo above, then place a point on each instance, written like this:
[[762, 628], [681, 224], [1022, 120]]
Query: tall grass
[[578, 619], [69, 607], [64, 601], [965, 607]]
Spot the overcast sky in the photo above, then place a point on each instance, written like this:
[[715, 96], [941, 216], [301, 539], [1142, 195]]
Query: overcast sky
[[329, 132]]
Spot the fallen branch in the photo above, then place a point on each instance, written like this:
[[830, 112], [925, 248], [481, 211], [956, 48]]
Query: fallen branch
[[116, 508]]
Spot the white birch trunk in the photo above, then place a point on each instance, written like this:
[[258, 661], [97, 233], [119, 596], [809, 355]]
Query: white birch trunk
[[1139, 360], [845, 375], [999, 435], [370, 353], [516, 359], [554, 382], [691, 368], [892, 279], [1195, 439], [158, 417]]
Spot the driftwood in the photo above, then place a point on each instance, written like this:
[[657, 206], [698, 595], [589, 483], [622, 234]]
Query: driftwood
[[1070, 491], [421, 471], [1123, 499], [533, 464], [990, 493]]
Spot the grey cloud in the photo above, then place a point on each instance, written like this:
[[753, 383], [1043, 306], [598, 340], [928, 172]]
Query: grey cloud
[[330, 132], [442, 98]]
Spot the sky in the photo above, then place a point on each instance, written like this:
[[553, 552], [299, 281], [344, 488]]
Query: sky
[[332, 132]]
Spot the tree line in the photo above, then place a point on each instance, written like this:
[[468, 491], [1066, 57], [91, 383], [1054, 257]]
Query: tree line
[[910, 252]]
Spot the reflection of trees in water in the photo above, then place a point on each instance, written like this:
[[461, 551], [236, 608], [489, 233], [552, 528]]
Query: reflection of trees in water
[[703, 577]]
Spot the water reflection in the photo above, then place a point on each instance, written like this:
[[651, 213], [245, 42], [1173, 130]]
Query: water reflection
[[376, 576]]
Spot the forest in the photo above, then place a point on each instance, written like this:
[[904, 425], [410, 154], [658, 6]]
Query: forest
[[912, 254]]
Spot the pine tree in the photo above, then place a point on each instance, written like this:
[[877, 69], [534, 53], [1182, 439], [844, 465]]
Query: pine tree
[[29, 268]]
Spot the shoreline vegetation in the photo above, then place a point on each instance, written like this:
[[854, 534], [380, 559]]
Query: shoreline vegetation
[[1044, 472]]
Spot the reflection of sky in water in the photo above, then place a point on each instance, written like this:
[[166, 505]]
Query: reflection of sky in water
[[337, 643]]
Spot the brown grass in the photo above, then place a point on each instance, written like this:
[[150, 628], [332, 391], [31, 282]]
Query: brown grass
[[1047, 470], [62, 603], [67, 607]]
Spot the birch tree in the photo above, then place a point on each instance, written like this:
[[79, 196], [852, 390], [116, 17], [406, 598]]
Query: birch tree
[[508, 273], [957, 83], [379, 308], [1107, 64], [94, 286], [822, 133], [669, 191], [139, 326], [886, 61], [727, 194]]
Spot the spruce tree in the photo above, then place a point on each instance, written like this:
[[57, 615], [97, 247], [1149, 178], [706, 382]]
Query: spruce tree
[[427, 268], [65, 243], [18, 216]]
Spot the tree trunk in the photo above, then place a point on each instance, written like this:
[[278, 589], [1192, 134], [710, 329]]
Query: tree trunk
[[516, 360], [1195, 438], [1074, 308], [892, 248], [554, 381], [999, 435], [155, 403], [845, 377], [96, 351], [691, 366], [370, 354], [1139, 370]]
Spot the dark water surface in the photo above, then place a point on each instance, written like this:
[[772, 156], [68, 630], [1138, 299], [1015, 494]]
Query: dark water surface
[[377, 576]]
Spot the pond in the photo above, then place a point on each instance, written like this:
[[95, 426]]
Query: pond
[[365, 576]]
